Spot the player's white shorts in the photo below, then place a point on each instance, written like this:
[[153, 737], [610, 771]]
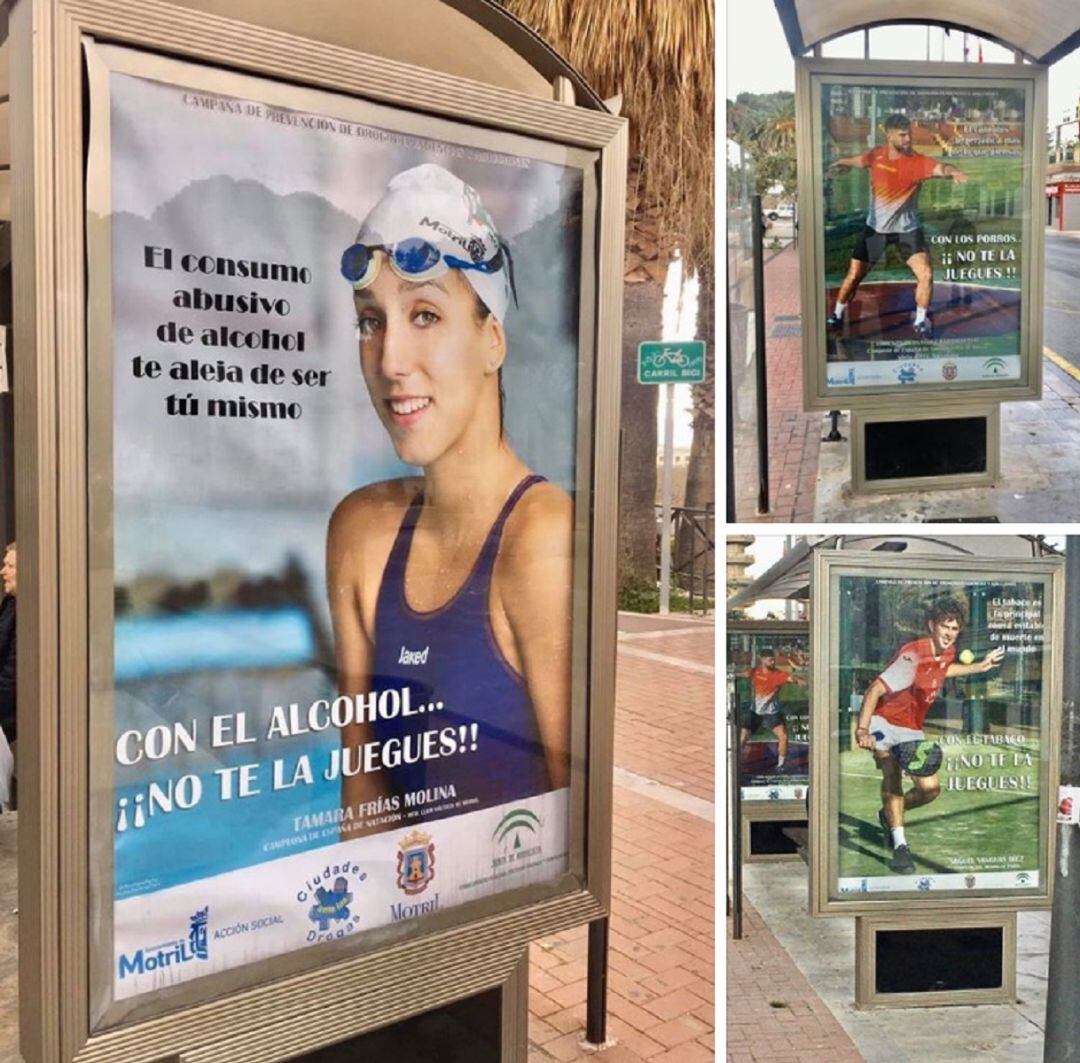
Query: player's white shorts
[[886, 735]]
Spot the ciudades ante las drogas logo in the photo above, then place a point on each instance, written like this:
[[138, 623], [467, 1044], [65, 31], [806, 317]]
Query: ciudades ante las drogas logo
[[171, 953], [330, 900]]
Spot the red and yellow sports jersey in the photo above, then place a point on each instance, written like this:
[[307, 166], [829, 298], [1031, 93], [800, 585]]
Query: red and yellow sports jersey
[[894, 189], [914, 678], [765, 682]]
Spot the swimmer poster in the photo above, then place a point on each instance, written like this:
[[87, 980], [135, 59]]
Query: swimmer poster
[[769, 691], [338, 397], [941, 729], [927, 250]]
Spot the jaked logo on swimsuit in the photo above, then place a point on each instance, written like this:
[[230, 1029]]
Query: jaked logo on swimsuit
[[170, 953], [413, 656]]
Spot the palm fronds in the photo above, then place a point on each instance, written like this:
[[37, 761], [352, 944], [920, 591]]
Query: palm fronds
[[659, 55]]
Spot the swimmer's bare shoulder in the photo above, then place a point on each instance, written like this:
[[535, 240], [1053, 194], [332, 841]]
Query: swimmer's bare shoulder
[[536, 555], [543, 518], [532, 592], [361, 534]]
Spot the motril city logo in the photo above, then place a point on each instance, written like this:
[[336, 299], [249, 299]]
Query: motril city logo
[[195, 946]]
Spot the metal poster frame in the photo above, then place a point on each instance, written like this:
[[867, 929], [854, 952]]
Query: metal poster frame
[[280, 1010], [991, 476], [809, 75], [867, 928], [825, 896]]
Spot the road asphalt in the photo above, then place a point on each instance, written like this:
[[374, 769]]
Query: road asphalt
[[1062, 318]]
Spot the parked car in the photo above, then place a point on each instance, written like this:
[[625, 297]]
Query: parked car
[[784, 210]]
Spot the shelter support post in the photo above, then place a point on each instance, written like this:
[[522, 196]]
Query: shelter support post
[[1063, 992], [762, 388], [735, 829], [596, 1002]]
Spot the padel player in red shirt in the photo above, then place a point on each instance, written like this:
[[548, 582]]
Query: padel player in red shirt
[[894, 708], [766, 713], [896, 174]]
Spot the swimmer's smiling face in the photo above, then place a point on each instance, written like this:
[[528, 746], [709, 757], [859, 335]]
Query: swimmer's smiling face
[[430, 362]]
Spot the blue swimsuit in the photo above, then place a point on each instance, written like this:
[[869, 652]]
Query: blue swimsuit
[[449, 655]]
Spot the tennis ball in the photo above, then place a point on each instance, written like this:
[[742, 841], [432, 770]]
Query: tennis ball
[[966, 656]]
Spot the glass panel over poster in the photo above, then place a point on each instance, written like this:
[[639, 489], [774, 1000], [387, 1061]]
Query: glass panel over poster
[[337, 487], [926, 261], [941, 701], [768, 688]]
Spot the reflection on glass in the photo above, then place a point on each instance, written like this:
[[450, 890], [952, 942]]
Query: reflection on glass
[[768, 682], [741, 310]]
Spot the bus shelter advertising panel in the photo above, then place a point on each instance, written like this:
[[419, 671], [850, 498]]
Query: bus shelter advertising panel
[[935, 732], [923, 266], [768, 691], [337, 645]]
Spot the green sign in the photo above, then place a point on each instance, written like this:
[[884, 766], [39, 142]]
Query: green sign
[[681, 362]]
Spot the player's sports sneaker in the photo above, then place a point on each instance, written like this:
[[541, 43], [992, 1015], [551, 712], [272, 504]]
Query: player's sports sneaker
[[886, 830], [924, 329], [902, 863], [834, 322]]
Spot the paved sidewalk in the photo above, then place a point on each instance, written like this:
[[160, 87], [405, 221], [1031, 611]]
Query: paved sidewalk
[[819, 953], [660, 989], [773, 1013], [794, 436]]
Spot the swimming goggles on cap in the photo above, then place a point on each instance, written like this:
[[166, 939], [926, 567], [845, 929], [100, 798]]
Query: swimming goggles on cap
[[412, 259]]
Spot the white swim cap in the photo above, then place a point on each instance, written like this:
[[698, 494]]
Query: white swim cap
[[430, 203]]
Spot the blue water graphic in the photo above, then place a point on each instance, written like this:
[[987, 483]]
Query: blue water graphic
[[149, 646]]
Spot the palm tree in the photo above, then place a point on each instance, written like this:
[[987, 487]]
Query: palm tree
[[658, 54], [765, 127], [775, 132]]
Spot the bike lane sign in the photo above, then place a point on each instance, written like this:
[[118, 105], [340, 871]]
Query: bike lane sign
[[677, 362]]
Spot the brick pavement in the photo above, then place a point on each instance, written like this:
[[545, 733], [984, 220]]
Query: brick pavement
[[664, 716], [773, 1013], [794, 436], [661, 973]]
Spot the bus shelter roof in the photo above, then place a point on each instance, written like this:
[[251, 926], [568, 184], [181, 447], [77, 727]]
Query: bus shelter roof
[[790, 576], [474, 39], [1042, 30]]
